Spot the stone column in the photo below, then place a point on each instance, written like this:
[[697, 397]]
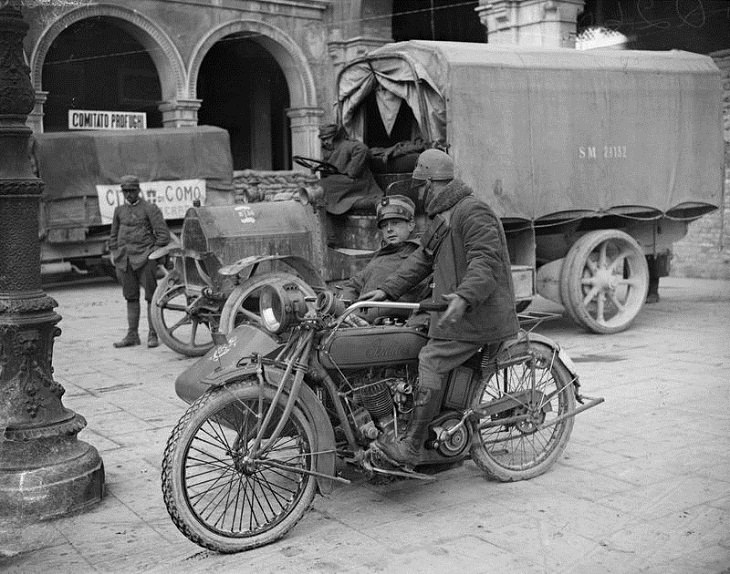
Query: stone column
[[179, 113], [35, 118], [44, 470], [539, 23], [305, 132]]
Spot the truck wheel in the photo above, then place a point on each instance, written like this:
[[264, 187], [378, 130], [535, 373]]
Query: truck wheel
[[185, 332], [242, 305], [604, 281]]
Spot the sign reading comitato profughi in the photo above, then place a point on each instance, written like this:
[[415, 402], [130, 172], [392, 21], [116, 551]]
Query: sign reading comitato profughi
[[174, 198], [100, 120]]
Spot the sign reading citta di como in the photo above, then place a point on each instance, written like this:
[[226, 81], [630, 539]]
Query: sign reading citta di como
[[99, 120]]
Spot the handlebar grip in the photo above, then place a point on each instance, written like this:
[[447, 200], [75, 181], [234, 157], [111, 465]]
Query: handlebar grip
[[437, 307]]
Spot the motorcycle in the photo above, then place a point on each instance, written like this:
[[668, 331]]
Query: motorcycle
[[275, 405]]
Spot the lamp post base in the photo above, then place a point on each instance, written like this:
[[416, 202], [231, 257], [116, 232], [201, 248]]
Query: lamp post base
[[48, 478]]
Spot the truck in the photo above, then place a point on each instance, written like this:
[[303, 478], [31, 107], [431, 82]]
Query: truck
[[595, 161], [177, 167]]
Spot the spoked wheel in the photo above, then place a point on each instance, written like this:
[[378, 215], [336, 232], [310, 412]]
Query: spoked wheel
[[184, 330], [521, 443], [221, 495], [242, 305], [604, 281]]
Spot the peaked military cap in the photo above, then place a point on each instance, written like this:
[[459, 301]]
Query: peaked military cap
[[129, 181], [395, 207]]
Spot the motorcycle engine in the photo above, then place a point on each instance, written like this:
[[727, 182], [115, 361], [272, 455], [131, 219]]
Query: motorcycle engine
[[383, 400]]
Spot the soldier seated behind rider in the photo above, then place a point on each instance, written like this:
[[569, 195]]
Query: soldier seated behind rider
[[354, 185], [395, 219]]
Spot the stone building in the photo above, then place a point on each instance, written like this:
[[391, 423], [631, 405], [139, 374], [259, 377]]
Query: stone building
[[265, 69]]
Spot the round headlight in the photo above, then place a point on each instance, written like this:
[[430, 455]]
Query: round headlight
[[281, 305]]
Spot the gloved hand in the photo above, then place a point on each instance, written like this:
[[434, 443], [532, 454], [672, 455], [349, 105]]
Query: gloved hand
[[454, 312], [374, 295]]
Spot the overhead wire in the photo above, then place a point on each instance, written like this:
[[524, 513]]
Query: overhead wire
[[431, 9]]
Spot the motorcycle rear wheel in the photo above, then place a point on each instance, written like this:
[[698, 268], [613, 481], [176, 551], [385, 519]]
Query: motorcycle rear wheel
[[522, 450], [218, 499]]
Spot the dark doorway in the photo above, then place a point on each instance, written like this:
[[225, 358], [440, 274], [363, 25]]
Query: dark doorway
[[445, 20], [243, 90], [95, 65]]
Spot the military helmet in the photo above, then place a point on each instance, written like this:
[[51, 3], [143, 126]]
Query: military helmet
[[435, 165], [395, 207]]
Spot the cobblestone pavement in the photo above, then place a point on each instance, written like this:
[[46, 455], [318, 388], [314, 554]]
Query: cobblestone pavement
[[644, 485]]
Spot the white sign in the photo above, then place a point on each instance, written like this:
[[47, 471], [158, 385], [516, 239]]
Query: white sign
[[95, 120], [174, 198]]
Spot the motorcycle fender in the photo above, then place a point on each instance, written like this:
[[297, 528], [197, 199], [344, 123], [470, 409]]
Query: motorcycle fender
[[225, 362], [562, 355]]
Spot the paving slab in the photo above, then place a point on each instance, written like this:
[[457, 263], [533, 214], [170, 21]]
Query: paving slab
[[643, 486]]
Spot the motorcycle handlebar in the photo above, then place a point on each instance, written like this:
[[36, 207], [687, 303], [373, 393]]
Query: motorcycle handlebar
[[437, 307], [425, 306]]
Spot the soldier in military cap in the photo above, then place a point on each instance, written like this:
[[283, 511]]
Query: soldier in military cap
[[138, 228], [395, 218], [354, 185]]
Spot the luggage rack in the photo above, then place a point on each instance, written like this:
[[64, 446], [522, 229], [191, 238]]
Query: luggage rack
[[533, 319]]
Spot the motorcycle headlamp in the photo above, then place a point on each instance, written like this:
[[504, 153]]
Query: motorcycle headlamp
[[281, 305]]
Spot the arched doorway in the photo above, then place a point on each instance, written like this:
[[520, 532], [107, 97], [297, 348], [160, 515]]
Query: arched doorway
[[244, 90], [94, 64]]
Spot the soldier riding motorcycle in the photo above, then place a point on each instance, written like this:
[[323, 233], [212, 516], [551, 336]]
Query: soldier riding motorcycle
[[274, 407]]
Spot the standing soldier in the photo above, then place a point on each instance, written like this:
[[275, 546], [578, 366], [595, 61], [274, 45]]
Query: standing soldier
[[138, 228]]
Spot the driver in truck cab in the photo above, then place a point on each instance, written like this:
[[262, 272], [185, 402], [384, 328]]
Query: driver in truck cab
[[395, 220], [354, 186]]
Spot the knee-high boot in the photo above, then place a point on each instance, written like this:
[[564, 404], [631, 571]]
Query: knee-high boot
[[132, 337], [407, 448], [151, 334]]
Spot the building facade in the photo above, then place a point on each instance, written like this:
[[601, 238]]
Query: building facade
[[266, 69]]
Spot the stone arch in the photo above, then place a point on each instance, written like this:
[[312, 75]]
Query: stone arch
[[285, 51], [164, 53]]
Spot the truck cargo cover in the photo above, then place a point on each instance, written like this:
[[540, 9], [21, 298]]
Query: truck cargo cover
[[555, 133], [73, 163]]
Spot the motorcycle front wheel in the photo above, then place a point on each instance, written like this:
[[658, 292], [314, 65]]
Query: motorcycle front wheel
[[524, 441], [221, 495]]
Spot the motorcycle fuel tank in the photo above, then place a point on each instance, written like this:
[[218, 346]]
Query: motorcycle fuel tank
[[372, 346]]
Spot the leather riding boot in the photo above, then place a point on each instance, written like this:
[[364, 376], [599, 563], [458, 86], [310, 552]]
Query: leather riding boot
[[132, 337], [407, 448], [152, 334]]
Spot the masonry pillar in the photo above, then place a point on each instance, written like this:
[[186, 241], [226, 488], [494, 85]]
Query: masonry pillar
[[539, 23], [35, 117], [44, 470], [305, 132], [179, 113]]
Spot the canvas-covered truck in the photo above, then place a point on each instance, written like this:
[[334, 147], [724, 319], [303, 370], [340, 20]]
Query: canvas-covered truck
[[81, 171], [594, 160]]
